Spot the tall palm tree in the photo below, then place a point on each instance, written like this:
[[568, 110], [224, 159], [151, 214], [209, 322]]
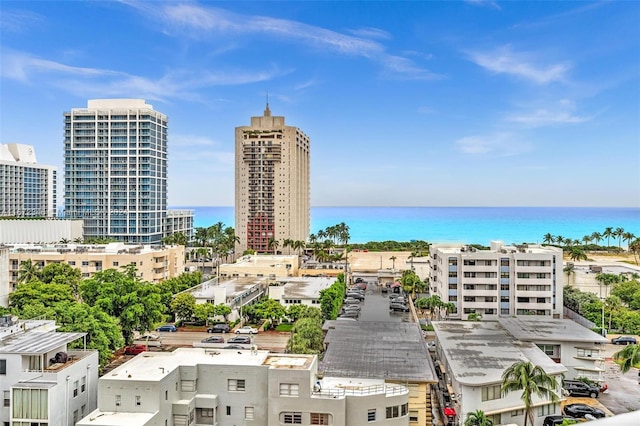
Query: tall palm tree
[[597, 237], [27, 271], [628, 357], [618, 233], [287, 242], [478, 418], [531, 380], [548, 239], [634, 247], [608, 233], [628, 237], [569, 269]]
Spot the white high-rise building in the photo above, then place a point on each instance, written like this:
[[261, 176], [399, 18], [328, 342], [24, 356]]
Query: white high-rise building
[[115, 156], [27, 189], [502, 281], [272, 183]]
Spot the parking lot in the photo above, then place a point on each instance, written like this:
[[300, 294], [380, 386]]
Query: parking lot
[[375, 307]]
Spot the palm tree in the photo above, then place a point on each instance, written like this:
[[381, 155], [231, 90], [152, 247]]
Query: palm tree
[[612, 303], [628, 357], [608, 233], [569, 269], [628, 237], [531, 380], [597, 237], [548, 239], [478, 418], [634, 247], [273, 244], [618, 233], [586, 239], [28, 271], [576, 253], [448, 308], [287, 242]]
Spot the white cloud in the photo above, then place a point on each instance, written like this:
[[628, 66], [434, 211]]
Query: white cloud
[[21, 66], [371, 33], [197, 21], [485, 3], [505, 61], [563, 112], [498, 144], [101, 82], [18, 21]]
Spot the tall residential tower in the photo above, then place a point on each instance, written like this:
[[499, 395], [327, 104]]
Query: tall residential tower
[[272, 183], [27, 189], [115, 161]]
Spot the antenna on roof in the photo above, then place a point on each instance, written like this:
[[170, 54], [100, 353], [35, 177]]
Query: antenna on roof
[[267, 111]]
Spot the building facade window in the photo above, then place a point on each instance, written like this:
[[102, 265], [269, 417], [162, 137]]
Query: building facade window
[[118, 400], [3, 366], [7, 398], [75, 388], [228, 410], [138, 400], [83, 383], [547, 410], [289, 389], [292, 418], [319, 418], [491, 392], [235, 385], [248, 413], [371, 415]]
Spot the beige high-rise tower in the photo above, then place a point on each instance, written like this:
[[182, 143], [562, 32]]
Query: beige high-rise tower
[[272, 184]]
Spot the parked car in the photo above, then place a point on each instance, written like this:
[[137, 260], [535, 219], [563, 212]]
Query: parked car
[[246, 329], [624, 340], [351, 301], [350, 314], [355, 295], [219, 328], [235, 347], [581, 410], [135, 349], [351, 308], [167, 327], [213, 339], [398, 307], [580, 388], [398, 300], [240, 339], [557, 420]]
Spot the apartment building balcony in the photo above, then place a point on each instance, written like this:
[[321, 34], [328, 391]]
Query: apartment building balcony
[[533, 306], [534, 269], [52, 369], [534, 294], [479, 268], [478, 280]]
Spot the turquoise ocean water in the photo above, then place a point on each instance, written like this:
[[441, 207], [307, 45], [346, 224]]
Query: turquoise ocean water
[[471, 225]]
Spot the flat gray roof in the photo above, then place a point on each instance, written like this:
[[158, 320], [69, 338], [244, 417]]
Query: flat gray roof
[[549, 329], [478, 352], [232, 286], [305, 287], [376, 350], [36, 342]]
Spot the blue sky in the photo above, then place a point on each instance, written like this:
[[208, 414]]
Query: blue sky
[[474, 103]]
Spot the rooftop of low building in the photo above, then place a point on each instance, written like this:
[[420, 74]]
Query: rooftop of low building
[[532, 328], [479, 352], [376, 350]]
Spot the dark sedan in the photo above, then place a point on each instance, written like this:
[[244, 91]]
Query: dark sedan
[[581, 410], [624, 340]]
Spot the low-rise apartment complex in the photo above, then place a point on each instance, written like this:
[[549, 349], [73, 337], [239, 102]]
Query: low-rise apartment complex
[[472, 357], [299, 290], [502, 281], [154, 263], [42, 381], [228, 387]]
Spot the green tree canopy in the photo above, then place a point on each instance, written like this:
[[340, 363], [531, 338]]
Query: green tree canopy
[[183, 306], [134, 303], [35, 291]]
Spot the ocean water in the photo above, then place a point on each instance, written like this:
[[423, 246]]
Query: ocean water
[[471, 225]]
